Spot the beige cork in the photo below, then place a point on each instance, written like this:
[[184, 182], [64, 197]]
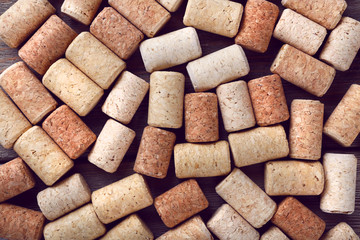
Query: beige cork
[[341, 231], [170, 5], [274, 233], [82, 11]]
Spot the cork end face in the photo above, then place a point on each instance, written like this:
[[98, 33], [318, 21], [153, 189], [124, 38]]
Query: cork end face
[[337, 137], [279, 58]]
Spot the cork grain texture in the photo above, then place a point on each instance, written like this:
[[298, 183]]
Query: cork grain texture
[[170, 5], [82, 11], [341, 231], [274, 233]]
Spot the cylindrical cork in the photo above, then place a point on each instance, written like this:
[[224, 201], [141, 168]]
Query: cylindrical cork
[[64, 197], [303, 70], [154, 154], [342, 45], [20, 223], [22, 19], [15, 178], [268, 100], [297, 221], [342, 125], [293, 178], [47, 45], [72, 86], [82, 11], [170, 49], [257, 25], [219, 67], [111, 146], [201, 117], [274, 233], [80, 224], [94, 59], [341, 231], [166, 99], [121, 198], [170, 5], [258, 145], [340, 183], [43, 155]]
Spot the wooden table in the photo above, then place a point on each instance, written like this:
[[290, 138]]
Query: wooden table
[[259, 64]]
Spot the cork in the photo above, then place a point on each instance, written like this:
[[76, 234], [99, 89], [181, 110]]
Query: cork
[[125, 97], [20, 223], [166, 99], [258, 145], [72, 86], [47, 45], [268, 100], [80, 224], [42, 155], [121, 198], [303, 70], [116, 32], [64, 197], [342, 124], [202, 160], [274, 233], [342, 45], [340, 183], [297, 221], [111, 146], [257, 25], [82, 11], [219, 67], [171, 49], [341, 231], [170, 5], [94, 59], [15, 178], [22, 19], [201, 117], [180, 203], [154, 154]]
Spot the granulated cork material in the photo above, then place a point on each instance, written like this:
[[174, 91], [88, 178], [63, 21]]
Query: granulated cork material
[[82, 11]]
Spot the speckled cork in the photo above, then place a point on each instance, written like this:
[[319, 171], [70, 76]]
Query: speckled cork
[[82, 11], [341, 231], [121, 198], [342, 124], [274, 233], [42, 155], [116, 32], [170, 5], [64, 197], [94, 59], [303, 70], [22, 19], [257, 25], [47, 45], [268, 100], [72, 86], [180, 202], [247, 198], [15, 178]]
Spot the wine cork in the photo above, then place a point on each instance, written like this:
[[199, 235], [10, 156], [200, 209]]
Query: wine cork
[[111, 146], [15, 178], [72, 86], [257, 25], [22, 19], [268, 100], [297, 221], [94, 59], [82, 11], [342, 45], [20, 223], [42, 155], [154, 154], [241, 193], [181, 202], [340, 183], [80, 224], [258, 145], [219, 67], [201, 117], [342, 124], [64, 197], [125, 97], [47, 45], [170, 49], [202, 160], [121, 198], [116, 32], [274, 233], [341, 231], [303, 70], [166, 99], [235, 105], [170, 5]]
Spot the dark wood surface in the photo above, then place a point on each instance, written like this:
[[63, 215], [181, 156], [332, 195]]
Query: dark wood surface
[[259, 64]]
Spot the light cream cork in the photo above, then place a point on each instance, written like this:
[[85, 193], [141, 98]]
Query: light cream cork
[[82, 11], [170, 5], [274, 233], [341, 231]]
